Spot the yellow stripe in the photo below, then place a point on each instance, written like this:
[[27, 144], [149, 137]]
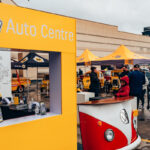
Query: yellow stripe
[[145, 140]]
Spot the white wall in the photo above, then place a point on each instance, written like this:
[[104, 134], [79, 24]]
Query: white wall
[[5, 73]]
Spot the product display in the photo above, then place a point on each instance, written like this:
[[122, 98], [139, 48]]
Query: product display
[[42, 108], [6, 101]]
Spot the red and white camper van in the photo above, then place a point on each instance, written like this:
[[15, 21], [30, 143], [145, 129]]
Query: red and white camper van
[[109, 124]]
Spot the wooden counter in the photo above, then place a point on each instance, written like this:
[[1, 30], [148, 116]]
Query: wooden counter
[[107, 101]]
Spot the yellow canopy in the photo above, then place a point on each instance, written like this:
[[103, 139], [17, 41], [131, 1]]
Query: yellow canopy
[[123, 53], [86, 57]]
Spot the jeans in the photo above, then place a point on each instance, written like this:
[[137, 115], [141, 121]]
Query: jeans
[[141, 97]]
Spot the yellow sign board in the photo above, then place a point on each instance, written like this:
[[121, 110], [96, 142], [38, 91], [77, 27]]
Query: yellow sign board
[[25, 26], [129, 62], [22, 28]]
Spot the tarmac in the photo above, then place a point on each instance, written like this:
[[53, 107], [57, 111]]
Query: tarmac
[[143, 130]]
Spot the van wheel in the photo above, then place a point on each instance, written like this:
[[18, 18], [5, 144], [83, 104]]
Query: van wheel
[[20, 89]]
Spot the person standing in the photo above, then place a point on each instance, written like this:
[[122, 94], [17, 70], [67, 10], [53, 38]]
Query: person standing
[[144, 89], [137, 80], [125, 89], [125, 71], [80, 72], [95, 83]]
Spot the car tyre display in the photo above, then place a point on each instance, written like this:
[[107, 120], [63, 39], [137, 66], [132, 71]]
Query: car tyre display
[[20, 89]]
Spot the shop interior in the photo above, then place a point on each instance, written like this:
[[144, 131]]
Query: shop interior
[[24, 83]]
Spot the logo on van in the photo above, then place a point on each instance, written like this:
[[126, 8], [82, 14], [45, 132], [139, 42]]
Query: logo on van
[[1, 23]]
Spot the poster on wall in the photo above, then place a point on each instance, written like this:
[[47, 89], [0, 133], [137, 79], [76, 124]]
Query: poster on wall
[[5, 73]]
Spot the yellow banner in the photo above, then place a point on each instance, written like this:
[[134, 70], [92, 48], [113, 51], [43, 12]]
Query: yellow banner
[[87, 63], [29, 29], [129, 62]]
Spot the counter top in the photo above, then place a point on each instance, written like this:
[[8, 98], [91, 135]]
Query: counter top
[[111, 100]]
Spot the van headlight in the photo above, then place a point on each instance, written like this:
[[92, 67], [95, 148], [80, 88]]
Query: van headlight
[[124, 116], [109, 135]]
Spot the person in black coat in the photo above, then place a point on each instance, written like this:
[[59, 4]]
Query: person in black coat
[[137, 80], [95, 83], [80, 72]]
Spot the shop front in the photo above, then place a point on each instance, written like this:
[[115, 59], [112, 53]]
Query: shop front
[[52, 40]]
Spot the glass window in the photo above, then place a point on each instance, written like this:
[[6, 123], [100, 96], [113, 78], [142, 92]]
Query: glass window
[[25, 85]]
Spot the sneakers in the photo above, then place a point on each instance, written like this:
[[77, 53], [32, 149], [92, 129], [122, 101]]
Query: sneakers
[[141, 107]]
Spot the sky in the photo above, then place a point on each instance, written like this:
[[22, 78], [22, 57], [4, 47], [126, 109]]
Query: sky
[[129, 15]]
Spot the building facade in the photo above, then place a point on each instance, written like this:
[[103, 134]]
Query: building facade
[[11, 2], [102, 39]]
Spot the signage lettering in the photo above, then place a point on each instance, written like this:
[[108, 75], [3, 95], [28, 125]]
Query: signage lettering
[[45, 32]]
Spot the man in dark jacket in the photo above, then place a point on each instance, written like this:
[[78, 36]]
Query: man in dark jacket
[[80, 72], [137, 79], [95, 84]]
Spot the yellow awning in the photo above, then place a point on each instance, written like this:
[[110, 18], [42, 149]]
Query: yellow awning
[[122, 53], [86, 57]]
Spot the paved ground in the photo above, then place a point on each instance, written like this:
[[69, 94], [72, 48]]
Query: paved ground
[[143, 130]]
